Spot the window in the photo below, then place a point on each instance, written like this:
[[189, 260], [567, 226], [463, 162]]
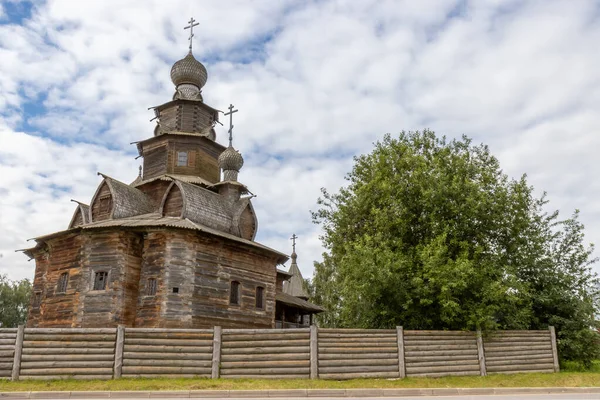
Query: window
[[104, 204], [63, 282], [100, 280], [260, 297], [175, 290], [234, 294], [37, 299], [182, 158], [151, 287]]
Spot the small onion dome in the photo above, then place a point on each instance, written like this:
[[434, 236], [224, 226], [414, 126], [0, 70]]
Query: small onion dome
[[189, 70], [231, 160], [294, 256]]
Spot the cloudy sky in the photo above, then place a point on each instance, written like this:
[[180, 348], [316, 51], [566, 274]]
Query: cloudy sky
[[316, 82]]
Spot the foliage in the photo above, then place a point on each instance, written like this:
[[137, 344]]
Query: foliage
[[431, 234], [14, 301]]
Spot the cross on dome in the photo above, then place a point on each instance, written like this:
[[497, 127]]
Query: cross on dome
[[230, 113], [293, 239], [191, 28]]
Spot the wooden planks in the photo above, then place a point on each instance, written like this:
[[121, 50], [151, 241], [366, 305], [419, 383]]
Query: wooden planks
[[67, 353], [510, 352], [7, 352], [441, 353], [168, 353], [358, 353], [261, 354]]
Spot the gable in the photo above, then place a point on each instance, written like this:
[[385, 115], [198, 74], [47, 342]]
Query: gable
[[102, 203]]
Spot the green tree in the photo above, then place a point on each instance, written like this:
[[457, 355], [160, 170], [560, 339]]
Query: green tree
[[430, 234], [14, 301]]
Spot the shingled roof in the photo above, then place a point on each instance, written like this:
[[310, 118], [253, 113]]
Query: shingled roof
[[82, 212], [127, 200], [295, 285], [298, 303]]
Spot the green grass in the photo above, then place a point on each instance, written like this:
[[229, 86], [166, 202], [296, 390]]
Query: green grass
[[562, 379]]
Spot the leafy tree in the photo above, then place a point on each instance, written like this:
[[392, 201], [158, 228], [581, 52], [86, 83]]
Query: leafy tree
[[14, 301], [431, 234]]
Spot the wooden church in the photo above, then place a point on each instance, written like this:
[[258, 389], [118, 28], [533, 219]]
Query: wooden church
[[175, 248]]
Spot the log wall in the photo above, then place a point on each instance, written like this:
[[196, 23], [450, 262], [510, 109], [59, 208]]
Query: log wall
[[7, 351], [106, 353]]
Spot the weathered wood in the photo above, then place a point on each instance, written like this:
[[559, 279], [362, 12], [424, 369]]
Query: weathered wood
[[554, 348], [375, 335], [266, 350], [409, 353], [277, 336], [510, 361], [65, 364], [440, 374], [67, 371], [270, 376], [67, 357], [361, 368], [358, 375], [265, 343], [493, 348], [7, 353], [441, 368], [409, 333], [401, 355], [353, 350], [58, 350], [265, 364], [68, 345], [489, 355], [169, 335], [481, 354], [365, 340], [264, 357], [436, 347], [59, 377], [521, 367], [12, 336], [168, 349], [447, 358], [424, 363], [531, 371], [166, 370], [359, 362], [119, 345], [358, 356], [18, 353], [168, 363], [8, 330], [227, 332], [216, 355], [343, 343], [266, 371], [178, 356], [314, 352], [168, 342], [69, 338], [352, 331], [6, 366]]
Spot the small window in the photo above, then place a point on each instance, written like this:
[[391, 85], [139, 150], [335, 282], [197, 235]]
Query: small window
[[100, 280], [175, 290], [151, 287], [260, 297], [63, 282], [234, 294], [104, 204], [182, 158], [37, 299]]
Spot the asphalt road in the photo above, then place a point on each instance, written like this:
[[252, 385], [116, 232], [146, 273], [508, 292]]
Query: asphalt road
[[580, 396]]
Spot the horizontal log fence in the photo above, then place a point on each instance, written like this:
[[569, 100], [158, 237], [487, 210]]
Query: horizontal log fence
[[109, 353]]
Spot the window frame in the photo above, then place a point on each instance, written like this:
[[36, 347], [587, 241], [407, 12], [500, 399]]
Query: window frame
[[95, 275], [235, 297], [151, 287], [259, 294], [181, 162], [63, 283]]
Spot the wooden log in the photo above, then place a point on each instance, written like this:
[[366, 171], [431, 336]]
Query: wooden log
[[343, 343], [375, 340], [154, 356], [59, 377], [67, 371], [440, 374], [427, 341], [522, 332], [545, 343], [266, 343], [365, 362], [409, 353], [168, 330], [6, 366], [357, 356], [437, 363], [7, 353], [448, 358], [168, 363], [69, 338], [69, 331], [266, 371], [174, 376], [481, 354], [362, 368], [266, 350], [551, 370], [348, 331], [401, 351], [521, 367], [8, 330], [546, 360], [18, 353], [165, 370], [69, 345], [119, 345], [216, 355], [510, 339], [358, 375], [265, 364], [227, 332], [5, 347], [263, 357], [10, 342], [170, 335], [12, 336], [314, 352], [168, 349], [354, 350], [277, 336], [58, 350], [436, 347], [326, 335], [67, 357], [554, 348], [517, 348], [409, 333], [442, 368], [168, 342], [272, 376], [535, 356], [65, 364]]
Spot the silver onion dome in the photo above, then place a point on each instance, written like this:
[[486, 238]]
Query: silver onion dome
[[231, 160], [189, 71]]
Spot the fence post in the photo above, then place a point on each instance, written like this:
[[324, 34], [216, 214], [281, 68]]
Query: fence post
[[118, 367], [481, 354], [18, 352], [554, 348], [314, 355], [401, 364], [216, 357]]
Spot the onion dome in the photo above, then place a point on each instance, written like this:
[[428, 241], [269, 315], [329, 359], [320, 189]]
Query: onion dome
[[230, 161], [189, 76]]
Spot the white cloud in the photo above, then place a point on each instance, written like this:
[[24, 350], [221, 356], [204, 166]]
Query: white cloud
[[315, 82]]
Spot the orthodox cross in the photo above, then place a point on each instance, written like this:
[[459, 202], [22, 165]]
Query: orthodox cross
[[293, 239], [191, 28], [230, 113]]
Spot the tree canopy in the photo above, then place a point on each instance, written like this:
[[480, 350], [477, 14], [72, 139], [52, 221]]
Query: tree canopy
[[14, 302], [431, 234]]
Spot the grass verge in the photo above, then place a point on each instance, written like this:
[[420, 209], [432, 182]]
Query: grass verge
[[562, 379]]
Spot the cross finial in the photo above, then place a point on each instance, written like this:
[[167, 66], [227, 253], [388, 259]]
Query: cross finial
[[230, 113], [140, 174], [191, 28], [293, 239]]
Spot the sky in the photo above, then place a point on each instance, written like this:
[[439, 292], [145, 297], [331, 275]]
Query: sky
[[316, 83]]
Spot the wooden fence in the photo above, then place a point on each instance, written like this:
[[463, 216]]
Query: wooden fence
[[37, 353]]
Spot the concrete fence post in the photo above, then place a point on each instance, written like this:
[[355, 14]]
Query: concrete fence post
[[554, 349], [216, 356], [18, 352], [481, 354], [119, 344], [314, 352], [401, 362]]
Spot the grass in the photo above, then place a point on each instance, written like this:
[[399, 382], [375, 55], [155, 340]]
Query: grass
[[563, 379]]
